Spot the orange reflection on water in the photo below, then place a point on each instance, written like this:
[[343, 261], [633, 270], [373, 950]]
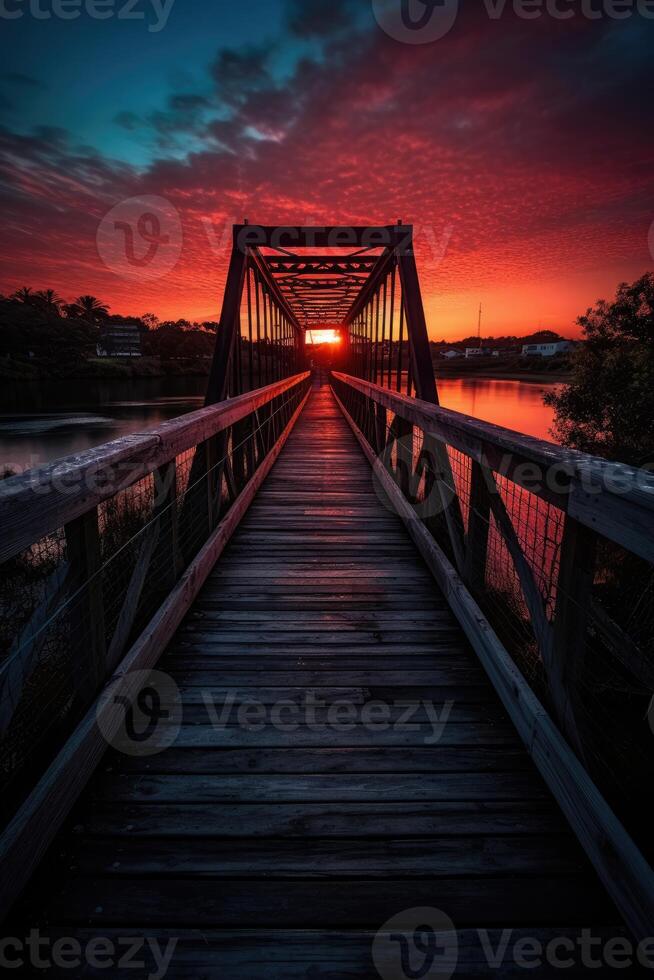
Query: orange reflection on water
[[514, 404]]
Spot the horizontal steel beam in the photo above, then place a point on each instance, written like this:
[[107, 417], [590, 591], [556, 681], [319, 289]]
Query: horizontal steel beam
[[330, 236]]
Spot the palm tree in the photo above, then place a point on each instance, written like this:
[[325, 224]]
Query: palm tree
[[23, 295], [90, 307], [50, 300]]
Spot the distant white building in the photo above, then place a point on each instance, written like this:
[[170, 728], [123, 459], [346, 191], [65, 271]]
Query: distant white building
[[547, 350], [449, 354], [119, 340], [477, 352]]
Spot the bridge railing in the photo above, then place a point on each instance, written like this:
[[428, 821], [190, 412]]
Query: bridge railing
[[549, 569], [102, 553]]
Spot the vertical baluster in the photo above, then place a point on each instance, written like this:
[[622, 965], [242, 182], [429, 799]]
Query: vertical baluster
[[251, 352], [476, 547], [574, 590], [400, 343], [87, 619], [390, 329], [383, 331], [375, 305], [258, 308]]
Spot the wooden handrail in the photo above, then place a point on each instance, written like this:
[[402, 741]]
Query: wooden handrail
[[36, 503], [624, 871], [612, 499], [31, 830]]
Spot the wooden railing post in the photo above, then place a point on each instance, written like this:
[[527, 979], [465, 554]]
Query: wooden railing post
[[167, 552], [380, 429], [87, 625], [476, 546], [571, 614], [403, 432]]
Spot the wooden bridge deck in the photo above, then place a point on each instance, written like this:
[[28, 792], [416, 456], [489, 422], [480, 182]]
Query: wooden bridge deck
[[278, 854]]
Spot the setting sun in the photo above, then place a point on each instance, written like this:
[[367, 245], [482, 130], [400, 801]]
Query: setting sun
[[315, 337]]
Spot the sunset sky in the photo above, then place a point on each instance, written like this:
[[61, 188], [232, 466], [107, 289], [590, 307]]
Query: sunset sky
[[522, 150]]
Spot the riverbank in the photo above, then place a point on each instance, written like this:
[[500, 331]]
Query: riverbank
[[533, 377], [102, 369], [556, 370]]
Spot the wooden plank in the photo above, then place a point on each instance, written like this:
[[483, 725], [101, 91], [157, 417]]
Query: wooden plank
[[359, 736], [327, 821], [100, 902], [451, 857], [355, 788], [378, 759], [297, 955]]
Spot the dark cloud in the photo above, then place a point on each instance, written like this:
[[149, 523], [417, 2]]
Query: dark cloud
[[25, 81], [188, 102], [128, 120], [310, 20], [532, 140], [239, 72]]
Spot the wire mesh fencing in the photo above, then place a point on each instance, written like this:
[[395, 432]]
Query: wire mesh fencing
[[73, 602], [573, 607]]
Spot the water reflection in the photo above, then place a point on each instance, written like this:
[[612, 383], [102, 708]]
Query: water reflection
[[40, 423], [514, 404]]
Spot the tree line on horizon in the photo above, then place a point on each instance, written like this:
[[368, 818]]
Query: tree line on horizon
[[607, 407], [38, 328]]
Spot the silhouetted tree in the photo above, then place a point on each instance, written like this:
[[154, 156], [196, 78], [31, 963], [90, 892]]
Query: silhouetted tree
[[608, 407], [90, 308], [49, 300], [24, 294]]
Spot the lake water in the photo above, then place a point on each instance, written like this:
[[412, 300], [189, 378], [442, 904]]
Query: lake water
[[41, 423]]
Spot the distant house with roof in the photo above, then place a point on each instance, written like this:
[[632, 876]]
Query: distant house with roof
[[547, 349], [119, 339]]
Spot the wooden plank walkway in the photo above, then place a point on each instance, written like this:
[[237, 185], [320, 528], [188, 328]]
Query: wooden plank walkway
[[278, 851]]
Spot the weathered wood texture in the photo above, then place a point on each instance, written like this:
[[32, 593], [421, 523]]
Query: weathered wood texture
[[315, 835], [38, 502], [619, 863], [30, 831], [609, 498]]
